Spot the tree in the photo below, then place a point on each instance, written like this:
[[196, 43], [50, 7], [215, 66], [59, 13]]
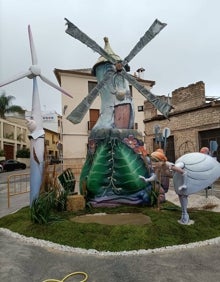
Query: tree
[[7, 107]]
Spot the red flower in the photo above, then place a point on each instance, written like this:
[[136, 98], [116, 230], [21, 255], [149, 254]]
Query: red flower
[[131, 141]]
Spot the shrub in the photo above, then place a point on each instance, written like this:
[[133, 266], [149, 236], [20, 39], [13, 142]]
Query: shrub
[[23, 153]]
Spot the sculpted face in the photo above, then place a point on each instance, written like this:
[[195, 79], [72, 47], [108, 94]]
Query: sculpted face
[[31, 125]]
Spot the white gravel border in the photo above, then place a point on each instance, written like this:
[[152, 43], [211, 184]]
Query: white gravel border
[[48, 244]]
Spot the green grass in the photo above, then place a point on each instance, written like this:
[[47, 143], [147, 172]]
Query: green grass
[[164, 230]]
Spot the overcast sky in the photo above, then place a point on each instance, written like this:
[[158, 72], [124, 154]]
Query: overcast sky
[[186, 51]]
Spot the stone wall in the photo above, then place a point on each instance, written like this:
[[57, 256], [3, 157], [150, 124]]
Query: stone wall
[[188, 97], [191, 115]]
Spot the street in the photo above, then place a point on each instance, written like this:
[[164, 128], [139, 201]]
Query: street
[[4, 175]]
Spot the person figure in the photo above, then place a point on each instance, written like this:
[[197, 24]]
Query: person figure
[[201, 170], [160, 165], [204, 150], [160, 169], [192, 172]]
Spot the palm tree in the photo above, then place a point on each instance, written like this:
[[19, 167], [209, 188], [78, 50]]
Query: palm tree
[[7, 107]]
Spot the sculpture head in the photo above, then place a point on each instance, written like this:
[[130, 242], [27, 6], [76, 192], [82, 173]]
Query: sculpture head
[[204, 150], [158, 156], [31, 125]]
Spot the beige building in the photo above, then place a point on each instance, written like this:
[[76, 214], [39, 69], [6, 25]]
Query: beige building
[[13, 136], [75, 136], [193, 123], [52, 140], [52, 122]]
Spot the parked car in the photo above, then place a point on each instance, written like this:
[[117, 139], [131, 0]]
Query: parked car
[[9, 165], [1, 168]]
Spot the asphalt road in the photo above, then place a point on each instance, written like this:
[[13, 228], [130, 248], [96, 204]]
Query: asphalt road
[[4, 175]]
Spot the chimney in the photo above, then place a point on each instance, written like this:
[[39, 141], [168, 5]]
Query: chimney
[[140, 72]]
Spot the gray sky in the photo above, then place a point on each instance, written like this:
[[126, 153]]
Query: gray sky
[[187, 50]]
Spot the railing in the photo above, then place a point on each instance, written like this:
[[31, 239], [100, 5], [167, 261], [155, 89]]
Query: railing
[[18, 184]]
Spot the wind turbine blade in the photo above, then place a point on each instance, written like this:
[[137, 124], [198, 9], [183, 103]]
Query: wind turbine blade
[[15, 78], [162, 106], [54, 85], [75, 32], [36, 107], [33, 51], [154, 29], [80, 111]]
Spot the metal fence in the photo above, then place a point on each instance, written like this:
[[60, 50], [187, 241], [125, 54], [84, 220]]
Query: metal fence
[[18, 184]]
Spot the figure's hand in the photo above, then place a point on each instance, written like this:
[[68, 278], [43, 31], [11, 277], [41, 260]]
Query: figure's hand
[[144, 179], [152, 178], [182, 187]]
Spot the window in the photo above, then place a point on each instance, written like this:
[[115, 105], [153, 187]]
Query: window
[[93, 117], [91, 85], [130, 87], [210, 135], [140, 108]]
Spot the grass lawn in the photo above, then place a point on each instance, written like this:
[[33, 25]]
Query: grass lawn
[[164, 230]]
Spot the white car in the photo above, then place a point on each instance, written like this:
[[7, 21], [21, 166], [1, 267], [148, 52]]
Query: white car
[[1, 168]]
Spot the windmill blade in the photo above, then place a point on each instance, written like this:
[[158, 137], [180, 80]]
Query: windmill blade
[[154, 29], [54, 85], [162, 106], [80, 111], [15, 78], [75, 32], [33, 51]]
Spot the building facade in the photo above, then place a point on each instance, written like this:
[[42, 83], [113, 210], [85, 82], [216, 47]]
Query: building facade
[[13, 136], [52, 122], [193, 123]]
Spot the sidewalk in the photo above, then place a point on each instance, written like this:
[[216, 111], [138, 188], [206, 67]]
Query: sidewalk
[[22, 261], [199, 200], [16, 202]]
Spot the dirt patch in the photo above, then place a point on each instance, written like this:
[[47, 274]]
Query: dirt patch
[[114, 219]]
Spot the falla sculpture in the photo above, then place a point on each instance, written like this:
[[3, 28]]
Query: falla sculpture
[[116, 155], [35, 122], [201, 171]]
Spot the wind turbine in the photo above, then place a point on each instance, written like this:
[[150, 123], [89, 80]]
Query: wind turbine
[[34, 70], [35, 123]]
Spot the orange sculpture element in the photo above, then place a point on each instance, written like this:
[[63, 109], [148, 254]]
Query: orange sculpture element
[[158, 156]]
